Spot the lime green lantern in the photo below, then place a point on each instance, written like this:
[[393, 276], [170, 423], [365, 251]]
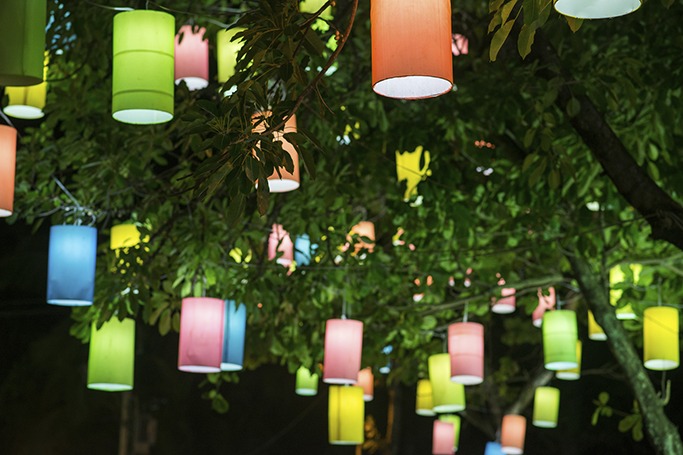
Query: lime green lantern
[[447, 396], [22, 41], [573, 373], [546, 407], [227, 48], [143, 79], [306, 382], [455, 420], [559, 340], [112, 356]]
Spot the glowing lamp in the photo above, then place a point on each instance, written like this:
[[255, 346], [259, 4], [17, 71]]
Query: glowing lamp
[[512, 434], [234, 328], [71, 265], [466, 349], [493, 448], [507, 303], [424, 406], [559, 340], [124, 236], [26, 102], [346, 415], [303, 250], [306, 382], [574, 373], [596, 9], [411, 48], [112, 356], [660, 338], [192, 57], [595, 332], [443, 435], [343, 349], [545, 303], [546, 407], [227, 50], [364, 229], [617, 276], [201, 335], [22, 41], [455, 421], [279, 242], [8, 159], [312, 6], [142, 90], [447, 396], [281, 180], [366, 380]]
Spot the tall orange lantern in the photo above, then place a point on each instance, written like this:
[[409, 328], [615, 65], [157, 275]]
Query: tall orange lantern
[[343, 349], [366, 380], [8, 157], [466, 348], [411, 48], [513, 433]]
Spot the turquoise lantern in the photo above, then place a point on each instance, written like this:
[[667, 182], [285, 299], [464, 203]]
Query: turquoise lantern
[[235, 317], [71, 265]]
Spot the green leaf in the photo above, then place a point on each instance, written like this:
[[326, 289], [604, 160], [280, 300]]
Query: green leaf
[[526, 39], [528, 160], [653, 169], [596, 415], [574, 23], [573, 107], [165, 322], [554, 179], [637, 431], [507, 9], [220, 404], [494, 5], [428, 323], [603, 398], [628, 422], [499, 39]]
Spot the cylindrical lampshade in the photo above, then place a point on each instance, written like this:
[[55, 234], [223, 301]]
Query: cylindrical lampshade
[[366, 380], [111, 361], [447, 396], [346, 415], [559, 340], [343, 349], [227, 50], [507, 303], [546, 407], [124, 236], [512, 434], [596, 9], [574, 373], [71, 265], [233, 336], [306, 382], [443, 435], [201, 335], [281, 180], [466, 348], [302, 250], [192, 57], [617, 276], [455, 420], [280, 242], [411, 48], [424, 405], [545, 303], [142, 91], [364, 229], [595, 332], [660, 338], [493, 448], [8, 160], [22, 41], [26, 102]]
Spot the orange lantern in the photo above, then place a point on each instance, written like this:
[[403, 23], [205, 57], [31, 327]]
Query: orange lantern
[[366, 380], [281, 180], [8, 156], [364, 229], [512, 434]]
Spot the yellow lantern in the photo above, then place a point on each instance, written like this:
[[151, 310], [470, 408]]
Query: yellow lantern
[[346, 413], [574, 373], [546, 407], [660, 338], [448, 396], [617, 276], [595, 332], [227, 49], [424, 405]]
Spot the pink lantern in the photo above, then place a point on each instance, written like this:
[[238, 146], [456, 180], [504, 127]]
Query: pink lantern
[[192, 58], [466, 347], [366, 380], [507, 303], [545, 302], [343, 348], [201, 335], [443, 435], [280, 242], [460, 44]]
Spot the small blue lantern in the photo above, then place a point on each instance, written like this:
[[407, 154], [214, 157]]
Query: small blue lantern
[[233, 336], [71, 265]]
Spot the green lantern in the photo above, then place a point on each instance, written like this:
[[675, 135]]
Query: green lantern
[[306, 382], [447, 396], [559, 340], [455, 420], [112, 356], [143, 79], [546, 407], [22, 41], [227, 49]]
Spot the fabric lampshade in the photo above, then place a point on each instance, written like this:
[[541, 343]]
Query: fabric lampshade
[[512, 434], [346, 415], [443, 435], [466, 348], [424, 405], [192, 57], [343, 349], [201, 335], [22, 41], [455, 421], [507, 303], [111, 362], [574, 373], [312, 6], [281, 180], [546, 407], [660, 338], [71, 265], [411, 48], [234, 329], [596, 9], [493, 448], [559, 340], [142, 91], [595, 332], [8, 164], [124, 235], [280, 243], [227, 50], [545, 303], [366, 380], [447, 396], [26, 102], [306, 382], [364, 229], [617, 276], [303, 250]]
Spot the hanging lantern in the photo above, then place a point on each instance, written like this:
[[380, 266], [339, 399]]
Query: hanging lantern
[[366, 380], [124, 235], [507, 303], [595, 332], [201, 335], [559, 340], [617, 276], [343, 349], [306, 382], [493, 448], [142, 90], [363, 229], [546, 407], [26, 102], [660, 338], [227, 50], [281, 180], [8, 160], [303, 250], [22, 41], [447, 396], [346, 415], [443, 435], [460, 45], [234, 328], [545, 303], [280, 242], [424, 405], [455, 421], [112, 356], [192, 57], [71, 265], [574, 373], [411, 48], [512, 434], [466, 349], [596, 9]]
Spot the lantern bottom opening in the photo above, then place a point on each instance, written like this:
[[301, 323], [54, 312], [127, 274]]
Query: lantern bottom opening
[[567, 376], [425, 412], [561, 365], [198, 369], [24, 112], [444, 408], [592, 9], [5, 213], [368, 397], [282, 185], [626, 316], [340, 381], [512, 450], [110, 387], [503, 309], [69, 302], [345, 443], [412, 87], [544, 424], [538, 322], [306, 392], [467, 379], [225, 366], [193, 83], [598, 337], [660, 364], [142, 116]]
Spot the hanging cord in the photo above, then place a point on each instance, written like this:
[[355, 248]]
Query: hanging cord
[[79, 210], [464, 317], [343, 315], [659, 292]]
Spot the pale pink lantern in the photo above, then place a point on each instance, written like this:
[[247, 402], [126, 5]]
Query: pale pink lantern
[[466, 348], [507, 303], [280, 242], [192, 57], [366, 380], [545, 303], [460, 44], [343, 348], [443, 435], [201, 335]]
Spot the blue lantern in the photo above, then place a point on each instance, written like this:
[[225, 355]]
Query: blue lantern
[[233, 336], [71, 265], [303, 250], [493, 448]]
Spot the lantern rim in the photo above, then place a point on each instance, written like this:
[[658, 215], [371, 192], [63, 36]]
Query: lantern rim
[[193, 83], [445, 408], [198, 369], [544, 424], [340, 381], [604, 9], [345, 443], [306, 391], [503, 308], [537, 323], [110, 386], [23, 111], [69, 302], [660, 364], [425, 412], [412, 87], [467, 379], [567, 375], [282, 185], [142, 116], [229, 366], [626, 316], [561, 365], [598, 336], [5, 213], [511, 450]]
